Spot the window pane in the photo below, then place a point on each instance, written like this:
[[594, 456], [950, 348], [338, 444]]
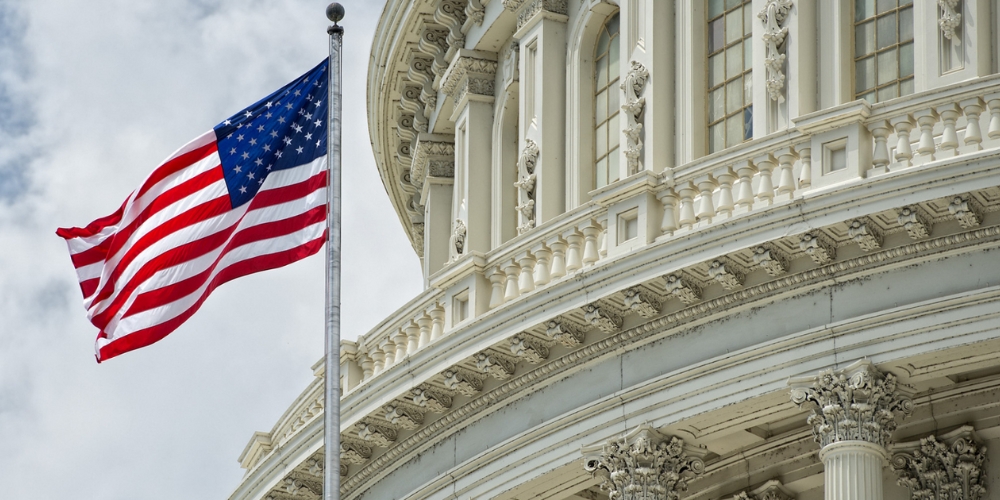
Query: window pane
[[870, 97], [864, 39], [884, 94], [906, 25], [885, 5], [730, 4], [715, 35], [906, 60], [716, 70], [602, 72], [714, 8], [747, 54], [864, 74], [734, 61], [863, 9], [748, 123], [734, 96], [613, 25], [614, 94], [602, 173], [602, 43], [886, 31], [747, 19], [601, 107], [614, 134], [906, 87], [734, 26], [747, 89], [601, 146], [887, 68], [613, 173], [905, 2], [716, 137], [716, 105], [734, 130], [613, 69]]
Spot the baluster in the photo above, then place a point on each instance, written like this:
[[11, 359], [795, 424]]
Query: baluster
[[437, 321], [602, 238], [926, 120], [949, 138], [744, 196], [765, 189], [379, 358], [805, 175], [706, 207], [424, 323], [543, 256], [726, 205], [512, 270], [400, 339], [786, 179], [574, 254], [903, 125], [526, 282], [590, 251], [668, 199], [389, 348], [412, 337], [993, 101], [497, 279], [687, 206], [558, 258], [880, 130], [367, 365], [973, 135]]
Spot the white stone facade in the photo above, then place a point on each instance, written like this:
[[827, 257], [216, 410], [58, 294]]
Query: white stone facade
[[810, 312]]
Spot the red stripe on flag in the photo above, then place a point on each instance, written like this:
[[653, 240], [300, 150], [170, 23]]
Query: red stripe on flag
[[94, 227], [89, 286], [177, 164]]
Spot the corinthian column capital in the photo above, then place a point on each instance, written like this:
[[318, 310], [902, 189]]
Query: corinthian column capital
[[947, 467], [856, 403]]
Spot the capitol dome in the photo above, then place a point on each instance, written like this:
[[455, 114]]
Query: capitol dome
[[676, 249]]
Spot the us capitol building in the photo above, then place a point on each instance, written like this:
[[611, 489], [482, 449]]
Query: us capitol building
[[691, 249]]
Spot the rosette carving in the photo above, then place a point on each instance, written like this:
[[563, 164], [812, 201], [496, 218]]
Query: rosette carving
[[645, 465]]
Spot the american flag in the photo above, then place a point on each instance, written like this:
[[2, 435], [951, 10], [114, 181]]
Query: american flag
[[246, 196]]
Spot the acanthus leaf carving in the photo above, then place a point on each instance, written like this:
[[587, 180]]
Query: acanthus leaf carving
[[526, 186], [770, 259], [818, 247], [867, 235], [967, 211], [457, 243], [353, 451], [726, 273], [641, 302], [645, 465], [435, 401], [563, 332], [915, 221], [951, 467], [403, 415], [528, 348], [496, 365], [633, 85], [773, 16], [380, 435], [603, 316], [463, 381], [950, 20], [687, 291]]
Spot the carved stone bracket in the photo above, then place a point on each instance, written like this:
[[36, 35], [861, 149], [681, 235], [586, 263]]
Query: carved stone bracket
[[773, 16], [496, 365], [380, 435], [633, 85], [528, 348], [527, 9], [641, 302], [771, 490], [770, 259], [463, 381], [865, 233], [475, 13], [526, 186], [565, 333], [967, 211], [469, 75], [727, 273], [435, 401], [950, 20], [403, 415], [684, 289], [915, 221], [818, 247], [952, 467], [644, 465], [857, 403], [604, 317], [353, 451], [432, 156]]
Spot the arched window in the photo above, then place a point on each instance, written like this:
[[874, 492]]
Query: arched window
[[606, 104]]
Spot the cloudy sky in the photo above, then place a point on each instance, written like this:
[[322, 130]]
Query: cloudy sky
[[93, 95]]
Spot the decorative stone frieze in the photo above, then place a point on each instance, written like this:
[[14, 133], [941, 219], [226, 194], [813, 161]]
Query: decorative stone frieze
[[403, 416], [952, 467], [379, 435], [865, 233], [773, 261], [527, 9], [856, 403], [915, 221], [533, 351], [950, 20], [644, 465], [726, 273], [435, 401], [431, 157], [602, 316], [818, 247], [773, 16], [353, 451], [684, 289], [633, 85], [463, 381], [469, 75], [641, 302], [496, 365], [565, 333], [967, 211], [526, 186]]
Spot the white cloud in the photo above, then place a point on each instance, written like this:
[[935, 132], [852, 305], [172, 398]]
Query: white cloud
[[95, 94]]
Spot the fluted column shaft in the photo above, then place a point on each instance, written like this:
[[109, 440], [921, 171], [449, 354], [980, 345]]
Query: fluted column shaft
[[852, 470]]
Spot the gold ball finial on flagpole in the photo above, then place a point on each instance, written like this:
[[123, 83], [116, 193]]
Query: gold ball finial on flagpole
[[335, 12]]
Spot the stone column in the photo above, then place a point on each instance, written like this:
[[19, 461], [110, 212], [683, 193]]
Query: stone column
[[853, 419], [644, 465]]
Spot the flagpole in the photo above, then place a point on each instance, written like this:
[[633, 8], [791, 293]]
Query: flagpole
[[331, 405]]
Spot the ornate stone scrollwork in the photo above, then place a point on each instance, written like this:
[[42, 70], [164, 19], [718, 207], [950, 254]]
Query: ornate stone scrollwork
[[431, 157], [865, 233], [818, 247], [527, 9], [604, 317], [528, 348], [727, 273], [633, 85], [403, 416], [915, 221], [469, 75], [435, 401], [496, 365], [463, 381], [644, 465], [682, 288], [773, 15], [526, 186], [458, 234], [950, 20], [564, 333], [952, 467], [641, 302], [770, 259], [857, 403], [380, 435], [967, 211], [354, 452], [475, 13], [771, 490]]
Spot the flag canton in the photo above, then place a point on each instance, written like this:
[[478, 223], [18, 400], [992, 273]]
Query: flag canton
[[283, 130]]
